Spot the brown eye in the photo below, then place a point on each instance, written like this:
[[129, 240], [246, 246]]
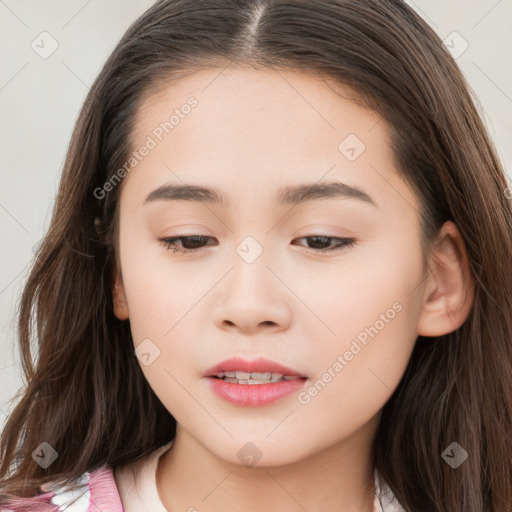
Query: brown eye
[[184, 244], [324, 243]]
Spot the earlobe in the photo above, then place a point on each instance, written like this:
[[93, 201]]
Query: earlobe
[[119, 298], [449, 291]]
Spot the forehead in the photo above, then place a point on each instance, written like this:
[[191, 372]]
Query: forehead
[[260, 128], [282, 105]]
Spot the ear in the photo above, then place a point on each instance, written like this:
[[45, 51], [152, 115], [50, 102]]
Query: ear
[[449, 290], [118, 294]]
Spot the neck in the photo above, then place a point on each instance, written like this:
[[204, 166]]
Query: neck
[[338, 478]]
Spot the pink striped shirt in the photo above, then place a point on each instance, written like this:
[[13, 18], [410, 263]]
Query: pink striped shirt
[[119, 491]]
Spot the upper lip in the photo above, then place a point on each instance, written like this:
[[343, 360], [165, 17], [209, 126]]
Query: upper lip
[[260, 365]]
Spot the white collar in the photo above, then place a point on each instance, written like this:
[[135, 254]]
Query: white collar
[[384, 500]]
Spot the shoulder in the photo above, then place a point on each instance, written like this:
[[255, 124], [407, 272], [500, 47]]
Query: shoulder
[[96, 490]]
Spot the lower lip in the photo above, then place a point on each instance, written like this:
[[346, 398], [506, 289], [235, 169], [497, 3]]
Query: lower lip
[[254, 395]]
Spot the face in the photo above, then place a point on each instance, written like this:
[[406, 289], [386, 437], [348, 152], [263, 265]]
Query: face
[[330, 286]]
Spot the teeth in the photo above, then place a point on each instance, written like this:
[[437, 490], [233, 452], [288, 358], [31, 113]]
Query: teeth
[[254, 377], [262, 376], [250, 381]]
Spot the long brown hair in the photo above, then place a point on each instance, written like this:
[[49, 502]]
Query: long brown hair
[[86, 395]]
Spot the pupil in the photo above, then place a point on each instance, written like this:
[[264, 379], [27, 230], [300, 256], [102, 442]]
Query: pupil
[[195, 241], [322, 239]]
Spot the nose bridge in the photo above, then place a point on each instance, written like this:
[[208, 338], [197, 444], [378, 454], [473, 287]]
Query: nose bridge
[[252, 249], [252, 294], [251, 271]]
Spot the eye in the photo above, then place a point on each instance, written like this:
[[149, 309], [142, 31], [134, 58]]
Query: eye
[[195, 243], [320, 242], [192, 243]]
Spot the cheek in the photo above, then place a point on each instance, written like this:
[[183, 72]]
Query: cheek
[[357, 379], [372, 309], [158, 292], [163, 303]]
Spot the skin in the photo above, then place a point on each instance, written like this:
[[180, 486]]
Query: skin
[[251, 133]]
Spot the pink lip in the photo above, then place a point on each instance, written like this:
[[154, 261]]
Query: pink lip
[[253, 395], [260, 365]]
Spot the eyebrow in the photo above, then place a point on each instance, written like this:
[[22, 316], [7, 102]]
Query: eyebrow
[[290, 195]]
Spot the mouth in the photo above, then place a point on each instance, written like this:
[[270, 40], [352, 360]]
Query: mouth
[[253, 383], [239, 377], [243, 371]]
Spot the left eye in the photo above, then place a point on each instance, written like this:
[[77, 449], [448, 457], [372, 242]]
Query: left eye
[[195, 243], [321, 240]]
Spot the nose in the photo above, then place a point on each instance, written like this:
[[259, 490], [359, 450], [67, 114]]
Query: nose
[[252, 298]]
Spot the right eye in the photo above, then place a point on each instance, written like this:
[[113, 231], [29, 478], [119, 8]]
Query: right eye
[[185, 244]]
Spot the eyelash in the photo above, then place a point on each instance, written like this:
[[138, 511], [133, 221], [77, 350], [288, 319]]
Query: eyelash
[[170, 243]]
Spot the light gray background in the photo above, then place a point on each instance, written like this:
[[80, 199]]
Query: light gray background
[[40, 99]]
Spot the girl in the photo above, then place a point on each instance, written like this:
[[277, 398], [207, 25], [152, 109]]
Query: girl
[[277, 276]]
